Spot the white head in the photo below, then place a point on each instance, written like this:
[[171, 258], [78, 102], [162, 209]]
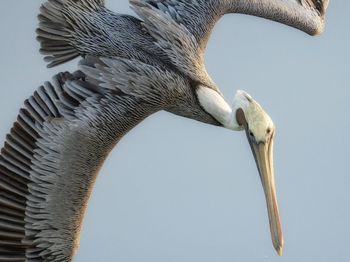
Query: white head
[[248, 112]]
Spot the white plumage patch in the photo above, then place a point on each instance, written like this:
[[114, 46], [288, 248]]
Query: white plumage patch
[[258, 120], [215, 105]]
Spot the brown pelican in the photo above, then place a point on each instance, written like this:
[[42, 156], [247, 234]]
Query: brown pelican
[[130, 69]]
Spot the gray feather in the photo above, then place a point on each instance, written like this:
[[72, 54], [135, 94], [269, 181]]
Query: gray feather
[[131, 69]]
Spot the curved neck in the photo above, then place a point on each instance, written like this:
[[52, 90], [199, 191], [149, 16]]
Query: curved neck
[[214, 104]]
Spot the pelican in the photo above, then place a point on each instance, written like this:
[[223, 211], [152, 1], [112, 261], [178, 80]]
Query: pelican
[[130, 68]]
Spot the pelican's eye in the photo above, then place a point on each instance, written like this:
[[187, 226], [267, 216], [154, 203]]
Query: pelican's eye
[[251, 134], [268, 131]]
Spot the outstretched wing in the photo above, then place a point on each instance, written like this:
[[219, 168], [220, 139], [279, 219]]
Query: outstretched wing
[[59, 142], [50, 160]]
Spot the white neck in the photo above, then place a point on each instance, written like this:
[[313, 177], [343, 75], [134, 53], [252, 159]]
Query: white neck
[[214, 104]]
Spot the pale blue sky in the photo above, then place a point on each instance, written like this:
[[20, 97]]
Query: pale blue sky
[[176, 190]]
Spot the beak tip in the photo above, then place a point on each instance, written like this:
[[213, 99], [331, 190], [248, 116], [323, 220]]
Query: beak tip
[[279, 251]]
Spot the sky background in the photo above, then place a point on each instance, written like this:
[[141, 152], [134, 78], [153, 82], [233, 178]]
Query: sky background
[[176, 190]]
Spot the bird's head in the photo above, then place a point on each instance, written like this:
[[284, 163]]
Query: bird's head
[[252, 117], [260, 132]]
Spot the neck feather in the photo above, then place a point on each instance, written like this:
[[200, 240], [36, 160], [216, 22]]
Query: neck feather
[[214, 104]]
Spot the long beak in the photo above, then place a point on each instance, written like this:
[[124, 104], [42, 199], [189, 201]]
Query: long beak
[[263, 153]]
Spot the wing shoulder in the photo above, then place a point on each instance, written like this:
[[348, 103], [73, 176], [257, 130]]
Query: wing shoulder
[[179, 40], [198, 16]]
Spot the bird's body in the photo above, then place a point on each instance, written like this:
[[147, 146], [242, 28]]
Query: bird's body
[[130, 69]]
